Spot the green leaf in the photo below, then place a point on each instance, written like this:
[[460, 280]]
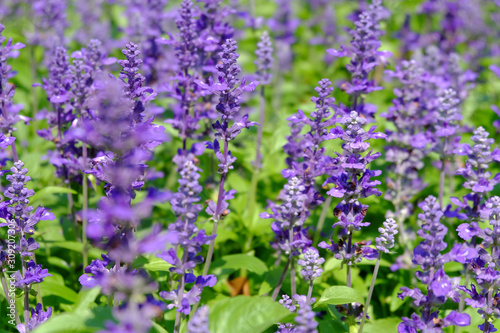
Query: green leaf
[[50, 190], [52, 288], [245, 314], [156, 264], [158, 328], [86, 297], [67, 323], [75, 246], [340, 295], [382, 325], [84, 321], [396, 303], [241, 261]]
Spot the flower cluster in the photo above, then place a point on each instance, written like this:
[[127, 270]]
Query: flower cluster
[[365, 56], [264, 62], [306, 161], [229, 89], [21, 221], [440, 287], [9, 110]]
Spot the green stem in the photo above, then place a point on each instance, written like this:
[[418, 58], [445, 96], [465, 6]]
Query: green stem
[[370, 292], [39, 293], [85, 250], [321, 222], [180, 294], [292, 266], [280, 282], [26, 309], [309, 291], [258, 156], [34, 99], [442, 177]]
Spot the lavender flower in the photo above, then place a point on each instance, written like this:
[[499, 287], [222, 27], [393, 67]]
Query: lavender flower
[[481, 259], [265, 59], [311, 264], [125, 134], [9, 111], [304, 319], [199, 322], [314, 163], [428, 255], [32, 275], [287, 302], [50, 21], [93, 23], [147, 22], [283, 24], [307, 162], [21, 219], [384, 243], [38, 316], [386, 239], [352, 181], [305, 316], [190, 240], [187, 113], [229, 89], [407, 148], [365, 56]]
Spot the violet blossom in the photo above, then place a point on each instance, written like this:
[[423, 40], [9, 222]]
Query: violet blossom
[[199, 321], [365, 56], [229, 89], [9, 110], [440, 287], [22, 219], [125, 134], [307, 162], [406, 150]]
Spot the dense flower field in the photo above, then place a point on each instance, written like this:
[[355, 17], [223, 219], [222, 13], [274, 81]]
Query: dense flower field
[[290, 166]]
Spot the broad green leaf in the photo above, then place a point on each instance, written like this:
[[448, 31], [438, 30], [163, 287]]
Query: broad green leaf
[[156, 264], [243, 314], [50, 190], [67, 323], [158, 329], [340, 295], [396, 303], [51, 288], [382, 325], [54, 261], [75, 246], [85, 297], [241, 261], [84, 321]]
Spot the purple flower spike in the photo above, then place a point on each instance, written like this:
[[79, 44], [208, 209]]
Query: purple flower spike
[[38, 316], [199, 321], [227, 72], [305, 316], [34, 274], [265, 59], [365, 56], [385, 241], [10, 111], [287, 302], [440, 286], [311, 264]]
